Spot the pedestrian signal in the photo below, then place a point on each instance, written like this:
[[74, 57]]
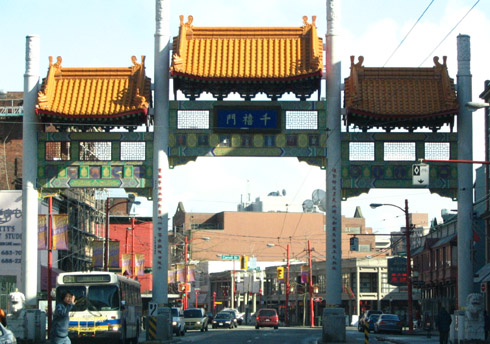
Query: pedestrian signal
[[280, 272], [244, 262]]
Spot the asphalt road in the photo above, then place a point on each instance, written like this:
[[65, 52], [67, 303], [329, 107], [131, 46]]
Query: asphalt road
[[291, 335]]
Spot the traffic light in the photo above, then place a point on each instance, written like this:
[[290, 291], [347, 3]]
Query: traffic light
[[280, 272], [244, 262]]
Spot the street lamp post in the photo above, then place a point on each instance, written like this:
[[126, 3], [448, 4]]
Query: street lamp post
[[286, 319], [106, 242], [409, 258]]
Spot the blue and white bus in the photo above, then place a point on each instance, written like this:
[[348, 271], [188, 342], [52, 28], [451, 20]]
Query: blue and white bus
[[107, 306]]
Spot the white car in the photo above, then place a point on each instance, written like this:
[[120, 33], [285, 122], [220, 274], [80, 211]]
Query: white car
[[6, 336], [178, 321]]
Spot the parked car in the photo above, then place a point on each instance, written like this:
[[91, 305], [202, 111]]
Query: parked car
[[388, 323], [6, 336], [238, 315], [225, 320], [371, 320], [196, 319], [267, 317], [364, 317], [178, 321]]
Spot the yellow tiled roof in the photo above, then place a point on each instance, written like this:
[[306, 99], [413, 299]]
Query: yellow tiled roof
[[247, 53], [400, 92], [94, 92]]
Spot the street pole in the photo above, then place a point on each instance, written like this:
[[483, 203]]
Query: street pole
[[106, 239], [133, 258], [409, 259], [184, 300], [312, 314], [287, 288], [50, 261], [214, 303], [409, 268], [233, 286]]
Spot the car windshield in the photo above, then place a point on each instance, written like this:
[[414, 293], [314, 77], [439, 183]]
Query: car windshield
[[267, 313], [175, 312], [390, 317], [223, 316], [96, 298], [374, 317], [192, 313]]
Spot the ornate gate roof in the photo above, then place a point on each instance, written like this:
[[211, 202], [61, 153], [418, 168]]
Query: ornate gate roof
[[247, 60], [409, 98], [100, 96]]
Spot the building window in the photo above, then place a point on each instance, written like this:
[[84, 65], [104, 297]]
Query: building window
[[193, 119], [361, 151], [365, 248], [354, 230], [399, 151]]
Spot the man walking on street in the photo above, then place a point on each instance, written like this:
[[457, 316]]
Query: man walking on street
[[61, 319], [443, 322]]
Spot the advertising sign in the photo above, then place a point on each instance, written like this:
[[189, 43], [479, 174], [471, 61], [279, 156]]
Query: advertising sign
[[11, 233], [397, 271]]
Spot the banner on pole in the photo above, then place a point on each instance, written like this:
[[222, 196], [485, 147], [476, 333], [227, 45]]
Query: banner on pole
[[125, 263], [42, 232], [139, 264], [60, 231]]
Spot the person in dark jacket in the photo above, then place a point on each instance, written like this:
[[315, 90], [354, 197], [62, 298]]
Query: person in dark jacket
[[61, 319], [443, 323]]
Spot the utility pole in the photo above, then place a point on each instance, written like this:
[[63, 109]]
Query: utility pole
[[310, 286]]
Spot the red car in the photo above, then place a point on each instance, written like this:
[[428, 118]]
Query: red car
[[267, 317]]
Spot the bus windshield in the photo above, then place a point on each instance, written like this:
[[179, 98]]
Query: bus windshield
[[100, 298]]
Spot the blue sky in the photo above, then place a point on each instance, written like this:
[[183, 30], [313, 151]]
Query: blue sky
[[107, 33]]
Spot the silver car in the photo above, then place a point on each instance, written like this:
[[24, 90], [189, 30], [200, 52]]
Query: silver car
[[6, 336]]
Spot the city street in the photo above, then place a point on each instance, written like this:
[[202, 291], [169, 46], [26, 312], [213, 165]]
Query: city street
[[291, 335]]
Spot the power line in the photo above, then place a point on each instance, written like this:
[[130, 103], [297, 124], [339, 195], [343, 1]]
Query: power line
[[449, 32], [408, 33]]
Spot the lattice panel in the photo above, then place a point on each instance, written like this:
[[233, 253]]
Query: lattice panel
[[361, 151], [57, 151], [192, 119], [437, 150], [399, 151], [301, 120], [95, 151], [133, 151]]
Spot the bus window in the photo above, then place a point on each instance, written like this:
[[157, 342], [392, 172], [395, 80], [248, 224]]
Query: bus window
[[103, 298], [80, 293]]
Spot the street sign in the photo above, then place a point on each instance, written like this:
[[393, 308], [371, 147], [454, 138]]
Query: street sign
[[318, 299], [229, 257], [420, 174], [218, 303], [152, 309]]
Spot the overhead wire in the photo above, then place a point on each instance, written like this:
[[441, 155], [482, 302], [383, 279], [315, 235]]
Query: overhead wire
[[455, 26], [408, 33]]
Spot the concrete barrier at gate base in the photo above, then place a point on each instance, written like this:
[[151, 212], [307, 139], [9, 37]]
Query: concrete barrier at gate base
[[159, 327], [333, 328]]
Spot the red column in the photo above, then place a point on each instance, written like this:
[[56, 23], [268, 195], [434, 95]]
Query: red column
[[133, 258], [106, 239], [312, 315], [287, 288], [184, 299], [50, 260], [409, 269]]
